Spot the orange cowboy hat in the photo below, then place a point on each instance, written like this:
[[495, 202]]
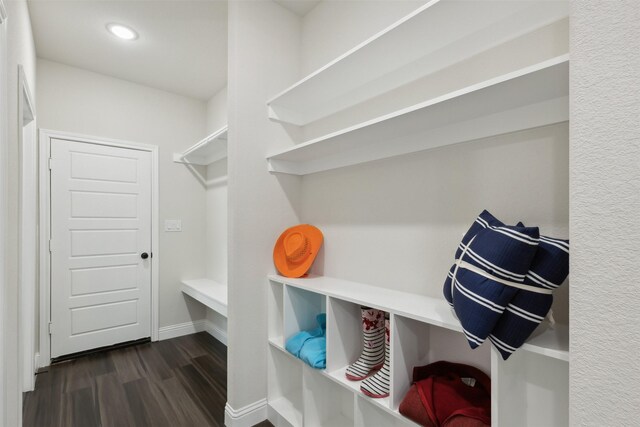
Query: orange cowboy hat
[[296, 249]]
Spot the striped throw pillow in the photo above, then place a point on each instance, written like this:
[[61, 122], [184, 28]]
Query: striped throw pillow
[[526, 310], [484, 220], [494, 256]]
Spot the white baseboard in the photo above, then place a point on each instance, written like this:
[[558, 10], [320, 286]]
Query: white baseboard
[[247, 416], [30, 384], [186, 328], [215, 331]]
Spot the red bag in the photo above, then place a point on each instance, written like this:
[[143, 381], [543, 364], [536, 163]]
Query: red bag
[[449, 395]]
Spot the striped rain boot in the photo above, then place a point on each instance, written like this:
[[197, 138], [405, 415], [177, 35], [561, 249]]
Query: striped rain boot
[[372, 357], [378, 385]]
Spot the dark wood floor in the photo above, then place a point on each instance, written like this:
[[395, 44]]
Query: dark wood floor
[[177, 382]]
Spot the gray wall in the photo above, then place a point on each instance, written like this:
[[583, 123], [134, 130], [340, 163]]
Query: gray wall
[[263, 41], [21, 51], [75, 100]]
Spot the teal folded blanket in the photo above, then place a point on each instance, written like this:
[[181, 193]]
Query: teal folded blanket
[[311, 346]]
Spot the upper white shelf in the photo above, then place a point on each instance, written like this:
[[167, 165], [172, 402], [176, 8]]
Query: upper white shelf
[[433, 37], [208, 292], [531, 97], [550, 342], [210, 149]]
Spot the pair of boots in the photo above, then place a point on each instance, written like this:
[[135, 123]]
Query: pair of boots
[[373, 364]]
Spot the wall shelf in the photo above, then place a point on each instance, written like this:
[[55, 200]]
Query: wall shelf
[[204, 152], [423, 330], [552, 342], [524, 99], [208, 292], [396, 56]]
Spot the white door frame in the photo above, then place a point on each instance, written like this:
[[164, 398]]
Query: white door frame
[[45, 231], [4, 137], [27, 242]]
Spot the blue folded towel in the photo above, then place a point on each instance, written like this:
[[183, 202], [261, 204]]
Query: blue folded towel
[[311, 346], [314, 352]]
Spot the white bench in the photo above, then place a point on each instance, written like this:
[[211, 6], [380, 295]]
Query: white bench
[[208, 292]]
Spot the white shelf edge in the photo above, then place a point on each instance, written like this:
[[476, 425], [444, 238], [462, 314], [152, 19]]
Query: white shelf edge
[[447, 320], [286, 115], [338, 377], [217, 137], [279, 345], [552, 342], [287, 410], [353, 50], [557, 335], [208, 292], [277, 342], [338, 420], [539, 114]]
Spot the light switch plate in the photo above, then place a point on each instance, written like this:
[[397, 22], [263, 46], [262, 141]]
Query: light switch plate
[[172, 225]]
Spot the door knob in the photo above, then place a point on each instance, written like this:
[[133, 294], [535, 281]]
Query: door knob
[[144, 255]]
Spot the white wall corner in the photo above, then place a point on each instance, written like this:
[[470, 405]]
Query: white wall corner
[[180, 329], [246, 416], [215, 331]]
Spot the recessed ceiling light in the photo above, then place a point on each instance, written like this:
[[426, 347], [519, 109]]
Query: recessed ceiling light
[[122, 31]]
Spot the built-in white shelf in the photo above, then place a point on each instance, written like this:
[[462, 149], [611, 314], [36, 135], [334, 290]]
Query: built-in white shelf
[[287, 409], [551, 342], [208, 292], [204, 152], [423, 330], [527, 98], [433, 37], [338, 377]]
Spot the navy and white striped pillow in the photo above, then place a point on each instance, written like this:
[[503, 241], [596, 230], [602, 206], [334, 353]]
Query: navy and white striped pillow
[[527, 309], [503, 252], [484, 220]]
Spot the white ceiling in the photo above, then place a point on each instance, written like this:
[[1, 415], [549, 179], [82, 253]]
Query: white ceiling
[[299, 7], [182, 46]]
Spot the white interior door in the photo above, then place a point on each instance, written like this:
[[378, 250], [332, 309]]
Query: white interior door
[[100, 233]]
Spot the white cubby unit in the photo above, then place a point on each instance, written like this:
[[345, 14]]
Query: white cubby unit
[[529, 389], [530, 97], [206, 151], [415, 46]]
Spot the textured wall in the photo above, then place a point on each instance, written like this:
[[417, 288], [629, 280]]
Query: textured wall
[[605, 203]]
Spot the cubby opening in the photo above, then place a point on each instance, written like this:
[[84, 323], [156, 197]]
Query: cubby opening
[[275, 306], [301, 308], [344, 343], [530, 389], [415, 343], [284, 389], [370, 415], [344, 335], [325, 402]]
